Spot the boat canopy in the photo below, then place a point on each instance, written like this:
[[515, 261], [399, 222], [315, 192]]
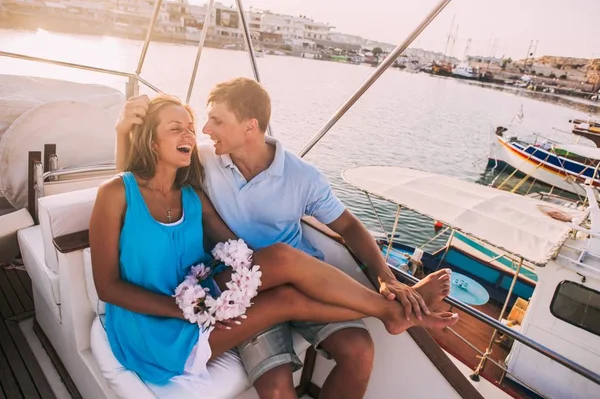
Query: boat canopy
[[517, 224], [19, 94], [581, 150]]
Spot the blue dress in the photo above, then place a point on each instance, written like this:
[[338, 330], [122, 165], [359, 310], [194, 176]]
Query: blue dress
[[156, 257]]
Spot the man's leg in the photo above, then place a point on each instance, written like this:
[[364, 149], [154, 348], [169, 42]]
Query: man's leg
[[351, 346], [270, 360], [353, 352], [276, 383]]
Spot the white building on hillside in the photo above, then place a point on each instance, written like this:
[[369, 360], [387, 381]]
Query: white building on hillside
[[289, 27], [346, 38]]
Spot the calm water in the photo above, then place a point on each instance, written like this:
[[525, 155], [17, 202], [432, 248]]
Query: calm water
[[409, 120]]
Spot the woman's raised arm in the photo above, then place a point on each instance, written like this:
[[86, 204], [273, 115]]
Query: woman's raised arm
[[105, 231]]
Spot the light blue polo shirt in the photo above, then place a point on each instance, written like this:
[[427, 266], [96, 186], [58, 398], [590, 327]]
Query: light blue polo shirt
[[268, 209]]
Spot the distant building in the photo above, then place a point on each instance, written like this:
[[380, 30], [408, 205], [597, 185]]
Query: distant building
[[347, 39]]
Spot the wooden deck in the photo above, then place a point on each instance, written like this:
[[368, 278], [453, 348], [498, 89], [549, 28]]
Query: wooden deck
[[479, 335], [20, 373]]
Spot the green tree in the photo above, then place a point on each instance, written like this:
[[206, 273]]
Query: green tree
[[505, 62], [377, 50]]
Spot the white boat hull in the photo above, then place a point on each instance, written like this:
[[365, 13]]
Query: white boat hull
[[503, 153]]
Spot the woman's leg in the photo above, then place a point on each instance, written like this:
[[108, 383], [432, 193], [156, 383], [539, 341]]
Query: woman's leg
[[274, 306], [285, 303], [282, 264]]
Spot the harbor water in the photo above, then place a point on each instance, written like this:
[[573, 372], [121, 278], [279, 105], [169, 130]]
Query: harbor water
[[406, 119]]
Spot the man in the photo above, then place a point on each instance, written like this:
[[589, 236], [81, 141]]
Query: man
[[262, 191]]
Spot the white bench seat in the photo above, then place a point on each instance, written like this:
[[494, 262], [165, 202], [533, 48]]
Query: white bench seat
[[43, 279]]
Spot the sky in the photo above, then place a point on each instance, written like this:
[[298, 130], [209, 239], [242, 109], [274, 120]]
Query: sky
[[562, 28]]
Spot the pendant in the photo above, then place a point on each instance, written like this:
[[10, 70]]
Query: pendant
[[169, 215]]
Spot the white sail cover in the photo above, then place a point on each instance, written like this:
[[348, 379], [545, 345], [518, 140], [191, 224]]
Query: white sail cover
[[83, 134], [581, 150], [509, 221], [19, 94]]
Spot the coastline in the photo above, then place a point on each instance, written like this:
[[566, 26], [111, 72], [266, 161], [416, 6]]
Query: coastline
[[60, 24]]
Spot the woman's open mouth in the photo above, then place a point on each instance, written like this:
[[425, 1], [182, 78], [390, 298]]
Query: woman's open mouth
[[184, 148]]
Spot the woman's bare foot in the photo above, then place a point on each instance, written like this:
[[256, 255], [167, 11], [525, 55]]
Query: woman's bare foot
[[434, 287], [438, 320], [395, 322]]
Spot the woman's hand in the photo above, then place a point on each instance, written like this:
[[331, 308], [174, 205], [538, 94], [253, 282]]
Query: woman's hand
[[133, 114], [230, 323]]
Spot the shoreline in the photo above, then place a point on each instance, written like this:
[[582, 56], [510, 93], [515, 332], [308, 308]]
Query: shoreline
[[32, 24]]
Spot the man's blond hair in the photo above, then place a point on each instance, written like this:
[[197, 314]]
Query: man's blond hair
[[246, 98]]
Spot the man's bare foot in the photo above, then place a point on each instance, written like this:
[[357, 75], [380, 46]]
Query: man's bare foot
[[396, 323], [434, 287]]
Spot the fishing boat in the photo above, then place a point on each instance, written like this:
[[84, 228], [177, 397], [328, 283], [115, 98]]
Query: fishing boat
[[52, 288], [564, 166], [477, 260], [563, 311], [465, 71]]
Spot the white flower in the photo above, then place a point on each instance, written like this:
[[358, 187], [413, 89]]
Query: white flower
[[200, 307], [200, 272]]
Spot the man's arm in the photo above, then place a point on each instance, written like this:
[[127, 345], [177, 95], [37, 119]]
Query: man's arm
[[364, 247], [133, 114]]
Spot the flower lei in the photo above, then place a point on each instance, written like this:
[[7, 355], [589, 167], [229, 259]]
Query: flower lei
[[197, 303]]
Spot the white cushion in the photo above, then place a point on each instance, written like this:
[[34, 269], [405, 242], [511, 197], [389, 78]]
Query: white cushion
[[44, 279], [62, 214], [97, 304], [227, 372]]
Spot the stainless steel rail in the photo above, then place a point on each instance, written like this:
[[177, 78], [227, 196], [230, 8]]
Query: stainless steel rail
[[66, 64], [79, 66], [484, 318], [385, 64], [209, 9], [79, 169], [148, 36], [250, 47]]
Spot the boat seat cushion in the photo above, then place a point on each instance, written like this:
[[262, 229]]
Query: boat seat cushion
[[63, 214], [227, 371], [45, 280]]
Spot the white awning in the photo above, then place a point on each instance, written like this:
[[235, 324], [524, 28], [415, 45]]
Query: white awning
[[508, 221], [581, 150]]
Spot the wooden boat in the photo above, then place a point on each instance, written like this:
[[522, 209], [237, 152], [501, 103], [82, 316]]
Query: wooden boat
[[478, 260], [564, 166]]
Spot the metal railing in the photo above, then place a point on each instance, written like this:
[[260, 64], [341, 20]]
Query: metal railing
[[385, 64], [517, 336]]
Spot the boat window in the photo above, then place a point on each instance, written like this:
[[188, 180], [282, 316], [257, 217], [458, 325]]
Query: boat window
[[577, 305]]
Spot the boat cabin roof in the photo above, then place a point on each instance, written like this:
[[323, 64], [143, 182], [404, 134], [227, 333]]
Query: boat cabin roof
[[517, 224]]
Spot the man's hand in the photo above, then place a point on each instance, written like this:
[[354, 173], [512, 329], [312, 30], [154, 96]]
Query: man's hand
[[133, 114], [410, 299]]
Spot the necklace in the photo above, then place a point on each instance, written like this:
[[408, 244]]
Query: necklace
[[161, 203]]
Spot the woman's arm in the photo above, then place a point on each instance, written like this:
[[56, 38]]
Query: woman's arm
[[214, 226], [105, 231]]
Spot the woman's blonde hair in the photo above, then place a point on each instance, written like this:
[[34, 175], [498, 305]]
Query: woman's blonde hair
[[142, 160]]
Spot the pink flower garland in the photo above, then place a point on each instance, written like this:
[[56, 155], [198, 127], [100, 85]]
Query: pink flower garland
[[196, 302]]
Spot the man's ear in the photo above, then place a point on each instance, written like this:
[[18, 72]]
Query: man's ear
[[251, 125]]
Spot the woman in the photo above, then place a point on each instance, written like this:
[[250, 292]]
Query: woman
[[147, 229]]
